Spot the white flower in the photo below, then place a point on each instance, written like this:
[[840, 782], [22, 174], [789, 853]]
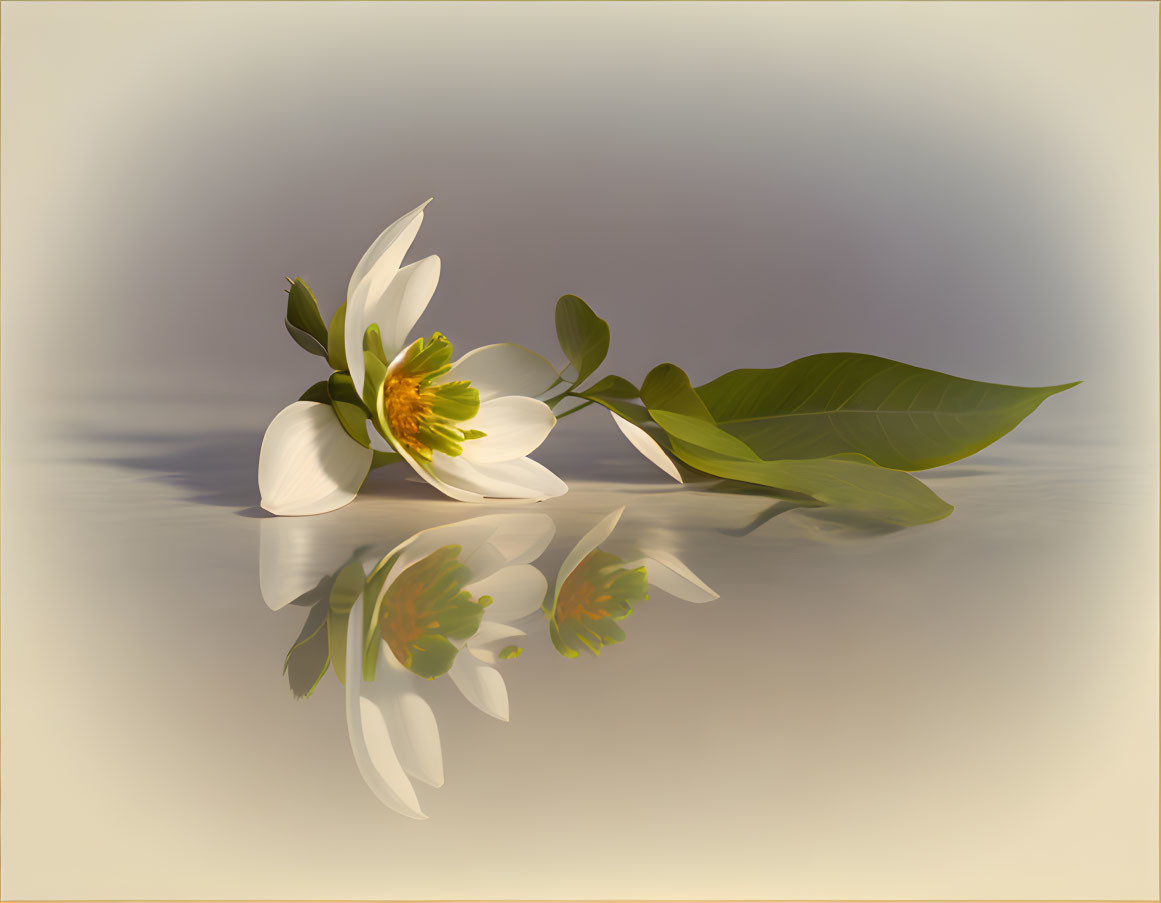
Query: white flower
[[465, 426], [392, 729], [596, 588]]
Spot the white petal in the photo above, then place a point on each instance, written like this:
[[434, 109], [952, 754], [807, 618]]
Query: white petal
[[521, 478], [515, 426], [386, 251], [456, 491], [588, 542], [667, 573], [308, 464], [481, 685], [374, 281], [504, 369], [410, 720], [367, 728], [520, 537], [294, 555], [468, 535], [394, 305], [645, 444], [492, 632], [516, 591]]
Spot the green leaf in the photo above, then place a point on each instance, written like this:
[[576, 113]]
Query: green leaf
[[348, 407], [317, 392], [345, 590], [583, 336], [336, 351], [303, 321], [899, 416], [848, 481], [852, 482], [307, 660]]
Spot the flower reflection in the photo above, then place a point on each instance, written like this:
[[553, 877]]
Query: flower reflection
[[441, 602], [444, 602], [596, 588]]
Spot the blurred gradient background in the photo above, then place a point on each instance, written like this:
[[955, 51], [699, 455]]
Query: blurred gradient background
[[970, 187]]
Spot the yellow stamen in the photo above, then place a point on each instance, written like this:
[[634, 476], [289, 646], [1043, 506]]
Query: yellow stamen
[[580, 597], [406, 407]]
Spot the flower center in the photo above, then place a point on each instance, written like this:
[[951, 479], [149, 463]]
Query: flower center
[[598, 593], [585, 593], [421, 412], [425, 608], [406, 408]]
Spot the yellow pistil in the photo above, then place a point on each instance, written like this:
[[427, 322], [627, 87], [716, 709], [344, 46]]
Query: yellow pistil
[[406, 406]]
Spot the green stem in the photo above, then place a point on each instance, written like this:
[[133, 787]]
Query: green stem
[[574, 410]]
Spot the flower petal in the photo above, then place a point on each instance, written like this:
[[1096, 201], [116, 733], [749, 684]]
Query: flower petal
[[667, 573], [481, 685], [521, 478], [295, 556], [516, 591], [514, 426], [409, 717], [588, 542], [520, 537], [645, 444], [504, 369], [492, 632], [308, 463], [367, 728], [386, 251], [395, 305]]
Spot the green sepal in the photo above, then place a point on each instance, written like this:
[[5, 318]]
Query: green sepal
[[458, 400], [383, 458], [374, 376], [373, 343], [583, 336], [373, 589], [308, 658], [317, 392], [510, 652], [347, 586], [336, 350], [432, 655], [558, 641], [303, 321], [349, 407]]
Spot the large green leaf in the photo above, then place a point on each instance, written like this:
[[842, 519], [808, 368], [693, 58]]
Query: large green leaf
[[849, 481], [583, 336], [303, 321], [902, 417]]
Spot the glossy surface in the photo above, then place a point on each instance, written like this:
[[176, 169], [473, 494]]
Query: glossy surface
[[952, 709]]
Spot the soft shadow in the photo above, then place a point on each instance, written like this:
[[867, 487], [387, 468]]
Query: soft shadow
[[218, 468], [221, 468]]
